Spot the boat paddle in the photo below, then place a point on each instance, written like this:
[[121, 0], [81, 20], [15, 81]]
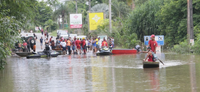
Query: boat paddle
[[161, 61]]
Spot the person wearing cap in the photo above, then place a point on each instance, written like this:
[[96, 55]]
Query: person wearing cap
[[149, 55], [152, 43]]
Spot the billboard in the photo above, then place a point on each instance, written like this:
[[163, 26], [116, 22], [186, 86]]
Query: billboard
[[95, 19], [75, 20], [158, 38]]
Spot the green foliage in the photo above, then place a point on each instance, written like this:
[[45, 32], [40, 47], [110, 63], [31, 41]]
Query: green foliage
[[120, 9], [43, 14], [182, 47], [143, 20], [13, 15], [196, 46]]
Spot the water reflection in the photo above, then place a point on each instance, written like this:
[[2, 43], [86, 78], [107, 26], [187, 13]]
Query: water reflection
[[153, 77]]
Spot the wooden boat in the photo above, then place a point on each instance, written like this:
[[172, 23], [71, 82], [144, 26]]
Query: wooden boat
[[104, 51], [24, 54], [150, 64], [59, 50], [124, 51]]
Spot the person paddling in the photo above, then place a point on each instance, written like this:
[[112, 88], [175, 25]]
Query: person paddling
[[149, 55]]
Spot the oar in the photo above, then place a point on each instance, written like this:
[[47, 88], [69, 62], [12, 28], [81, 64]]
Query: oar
[[161, 61]]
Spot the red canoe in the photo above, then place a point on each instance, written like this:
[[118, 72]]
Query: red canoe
[[124, 51]]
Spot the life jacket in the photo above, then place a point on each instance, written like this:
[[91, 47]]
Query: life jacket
[[104, 43]]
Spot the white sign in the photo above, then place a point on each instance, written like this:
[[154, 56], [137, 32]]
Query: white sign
[[75, 20], [192, 41]]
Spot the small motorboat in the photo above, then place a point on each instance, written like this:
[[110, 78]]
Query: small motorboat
[[24, 54], [104, 51], [43, 54], [124, 51], [147, 64]]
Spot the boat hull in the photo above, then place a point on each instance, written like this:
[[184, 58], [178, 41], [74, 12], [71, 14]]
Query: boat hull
[[124, 51], [42, 55], [23, 54], [103, 53], [150, 64]]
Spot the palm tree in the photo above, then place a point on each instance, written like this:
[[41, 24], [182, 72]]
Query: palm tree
[[61, 12], [120, 9], [101, 8]]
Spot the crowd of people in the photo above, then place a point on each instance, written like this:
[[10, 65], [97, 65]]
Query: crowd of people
[[69, 45], [79, 45]]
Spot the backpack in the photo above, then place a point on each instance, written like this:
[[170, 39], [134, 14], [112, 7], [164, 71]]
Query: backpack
[[155, 58]]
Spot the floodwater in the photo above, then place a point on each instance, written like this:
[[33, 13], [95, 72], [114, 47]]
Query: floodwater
[[91, 73]]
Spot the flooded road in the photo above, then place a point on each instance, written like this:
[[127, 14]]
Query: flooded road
[[91, 73]]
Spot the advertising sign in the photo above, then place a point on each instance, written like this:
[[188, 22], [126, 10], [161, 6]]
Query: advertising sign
[[158, 38], [95, 19], [75, 20]]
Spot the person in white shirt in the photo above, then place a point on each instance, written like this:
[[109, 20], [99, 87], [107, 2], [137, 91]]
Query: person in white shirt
[[63, 44], [112, 42]]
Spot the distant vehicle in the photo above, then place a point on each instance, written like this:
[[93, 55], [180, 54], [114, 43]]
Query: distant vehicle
[[72, 35], [101, 39], [63, 34]]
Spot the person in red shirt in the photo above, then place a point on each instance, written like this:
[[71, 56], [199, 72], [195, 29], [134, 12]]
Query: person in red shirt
[[84, 45], [78, 46], [152, 43], [104, 43]]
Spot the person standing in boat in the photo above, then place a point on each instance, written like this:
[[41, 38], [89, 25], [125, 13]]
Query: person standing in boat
[[104, 43], [152, 43], [149, 55]]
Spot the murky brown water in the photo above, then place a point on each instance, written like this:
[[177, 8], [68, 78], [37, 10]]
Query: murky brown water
[[90, 73]]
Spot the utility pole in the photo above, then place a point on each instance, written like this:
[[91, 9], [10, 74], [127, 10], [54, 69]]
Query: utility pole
[[110, 17], [76, 6], [190, 33], [89, 5]]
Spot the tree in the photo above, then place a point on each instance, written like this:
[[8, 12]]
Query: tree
[[143, 20], [13, 15], [101, 8], [120, 9], [49, 24], [62, 11], [43, 13]]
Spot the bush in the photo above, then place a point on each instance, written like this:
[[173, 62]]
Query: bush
[[182, 47], [196, 47]]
